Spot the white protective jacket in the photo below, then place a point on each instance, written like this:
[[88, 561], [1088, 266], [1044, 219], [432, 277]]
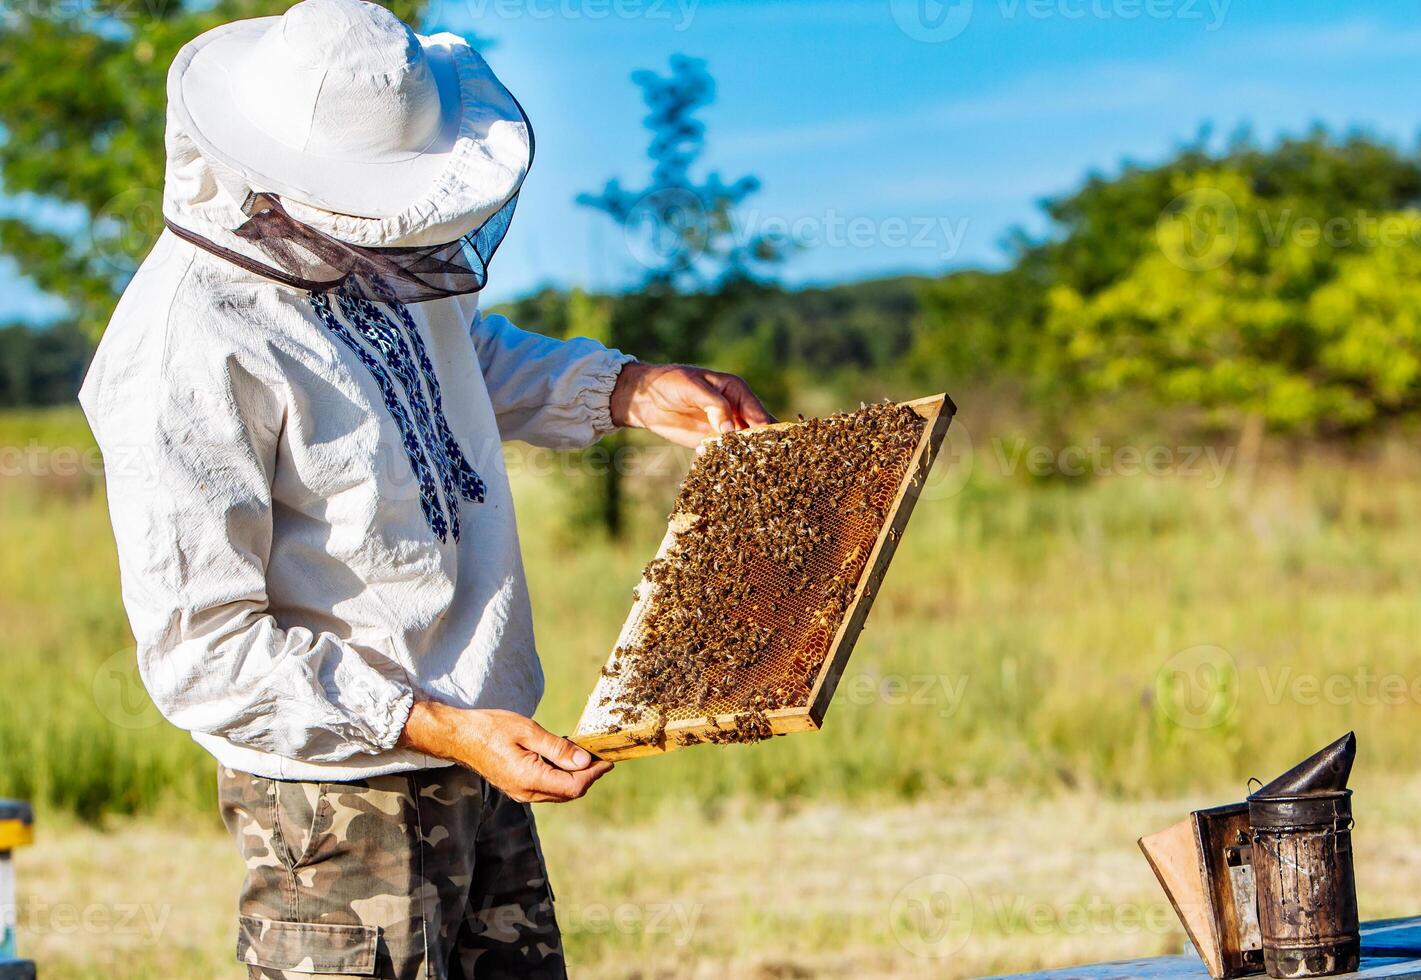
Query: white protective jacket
[[313, 516]]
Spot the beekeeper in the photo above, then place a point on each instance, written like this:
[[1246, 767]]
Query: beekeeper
[[301, 411]]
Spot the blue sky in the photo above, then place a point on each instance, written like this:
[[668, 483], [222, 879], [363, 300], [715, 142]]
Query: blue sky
[[910, 135]]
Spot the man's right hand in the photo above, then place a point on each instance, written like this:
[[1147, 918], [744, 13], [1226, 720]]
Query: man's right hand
[[514, 753]]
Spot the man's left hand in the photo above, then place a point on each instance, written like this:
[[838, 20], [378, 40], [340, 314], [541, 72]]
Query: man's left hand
[[684, 404]]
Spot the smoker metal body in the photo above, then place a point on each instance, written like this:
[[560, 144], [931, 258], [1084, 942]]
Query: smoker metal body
[[1306, 882]]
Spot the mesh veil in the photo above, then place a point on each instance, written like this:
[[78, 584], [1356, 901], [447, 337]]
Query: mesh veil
[[301, 256]]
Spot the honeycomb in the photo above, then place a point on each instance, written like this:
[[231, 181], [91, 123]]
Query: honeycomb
[[771, 535]]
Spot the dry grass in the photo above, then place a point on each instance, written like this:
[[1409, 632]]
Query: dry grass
[[1040, 657], [1138, 635], [827, 891]]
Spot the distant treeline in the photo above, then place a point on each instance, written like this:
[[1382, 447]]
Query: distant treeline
[[1275, 285], [819, 332], [1250, 286], [772, 335], [41, 366]]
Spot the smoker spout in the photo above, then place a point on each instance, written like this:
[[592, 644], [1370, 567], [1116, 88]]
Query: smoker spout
[[1326, 770]]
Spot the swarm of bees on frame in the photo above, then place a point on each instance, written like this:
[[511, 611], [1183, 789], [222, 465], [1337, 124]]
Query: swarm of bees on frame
[[775, 528]]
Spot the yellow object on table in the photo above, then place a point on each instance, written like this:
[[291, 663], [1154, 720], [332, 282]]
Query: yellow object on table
[[16, 830], [15, 833]]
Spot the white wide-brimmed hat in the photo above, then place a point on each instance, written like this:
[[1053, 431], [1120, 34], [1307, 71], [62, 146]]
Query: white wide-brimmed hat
[[339, 106]]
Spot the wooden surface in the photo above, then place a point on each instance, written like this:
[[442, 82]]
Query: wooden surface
[[631, 741], [1173, 854], [1217, 829], [938, 410], [1390, 948]]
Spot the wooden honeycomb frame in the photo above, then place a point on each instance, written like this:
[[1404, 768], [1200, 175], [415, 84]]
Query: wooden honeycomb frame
[[616, 741]]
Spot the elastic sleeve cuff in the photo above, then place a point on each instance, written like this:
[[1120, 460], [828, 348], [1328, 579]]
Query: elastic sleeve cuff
[[597, 396], [388, 729]]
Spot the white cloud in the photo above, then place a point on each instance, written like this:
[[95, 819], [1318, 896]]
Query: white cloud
[[1108, 88], [1350, 38]]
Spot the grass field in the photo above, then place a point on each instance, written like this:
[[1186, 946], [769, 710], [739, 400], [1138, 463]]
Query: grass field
[[1040, 648], [961, 885]]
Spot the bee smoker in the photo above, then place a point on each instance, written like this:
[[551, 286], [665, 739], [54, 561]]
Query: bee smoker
[[1302, 867], [16, 822], [1307, 889], [1269, 884]]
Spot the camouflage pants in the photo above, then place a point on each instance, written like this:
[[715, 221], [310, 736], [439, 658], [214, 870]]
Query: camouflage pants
[[431, 874]]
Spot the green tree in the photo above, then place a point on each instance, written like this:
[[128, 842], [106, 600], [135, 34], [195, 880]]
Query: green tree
[[1242, 308], [681, 228], [82, 102], [1218, 281], [1099, 231], [1368, 323]]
